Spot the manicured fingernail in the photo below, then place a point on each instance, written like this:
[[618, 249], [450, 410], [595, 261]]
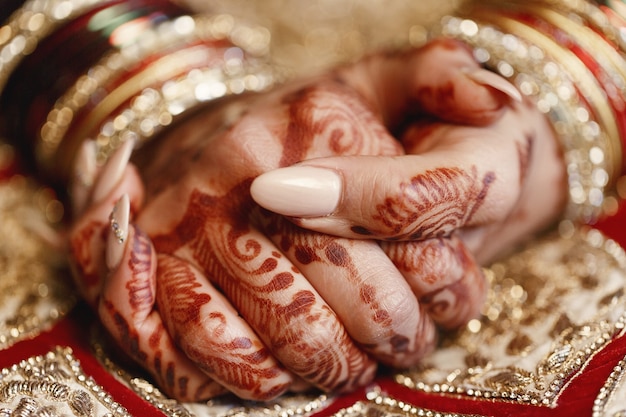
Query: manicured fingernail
[[85, 169], [116, 241], [491, 79], [113, 170], [300, 191]]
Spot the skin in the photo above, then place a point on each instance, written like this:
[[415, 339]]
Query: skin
[[215, 294]]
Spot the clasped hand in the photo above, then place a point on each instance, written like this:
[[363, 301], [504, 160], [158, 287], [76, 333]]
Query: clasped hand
[[434, 166]]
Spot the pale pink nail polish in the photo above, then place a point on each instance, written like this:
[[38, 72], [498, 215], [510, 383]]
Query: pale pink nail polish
[[119, 222], [112, 171], [491, 79], [85, 169], [299, 191]]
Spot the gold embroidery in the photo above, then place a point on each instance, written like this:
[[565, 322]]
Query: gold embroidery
[[35, 289], [380, 405], [610, 399], [541, 325], [54, 385]]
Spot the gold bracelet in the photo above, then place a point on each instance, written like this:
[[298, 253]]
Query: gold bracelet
[[561, 86], [35, 20], [190, 40]]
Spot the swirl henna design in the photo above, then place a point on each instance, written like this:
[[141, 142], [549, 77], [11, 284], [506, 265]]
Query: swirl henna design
[[432, 204], [369, 301], [333, 115], [217, 341], [293, 321]]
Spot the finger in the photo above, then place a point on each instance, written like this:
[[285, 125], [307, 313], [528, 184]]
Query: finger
[[441, 79], [85, 172], [271, 295], [87, 235], [366, 291], [443, 275], [214, 336], [467, 176], [126, 310]]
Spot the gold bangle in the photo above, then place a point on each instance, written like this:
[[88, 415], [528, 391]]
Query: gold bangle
[[206, 56], [535, 64], [168, 36], [30, 24]]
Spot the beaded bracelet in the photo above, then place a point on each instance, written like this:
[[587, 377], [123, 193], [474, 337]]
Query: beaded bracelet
[[544, 50]]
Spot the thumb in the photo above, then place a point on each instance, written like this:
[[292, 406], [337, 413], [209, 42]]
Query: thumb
[[408, 197]]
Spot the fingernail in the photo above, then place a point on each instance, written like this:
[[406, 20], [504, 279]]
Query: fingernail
[[119, 223], [300, 191], [113, 170], [491, 79], [85, 169]]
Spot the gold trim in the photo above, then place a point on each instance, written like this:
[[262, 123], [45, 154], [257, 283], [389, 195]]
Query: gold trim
[[610, 399], [550, 309], [35, 286], [54, 384], [381, 405]]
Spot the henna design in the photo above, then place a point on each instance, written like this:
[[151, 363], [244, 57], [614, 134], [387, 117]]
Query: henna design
[[236, 362], [127, 335], [332, 114], [308, 247], [140, 290], [81, 253], [360, 230], [432, 204], [442, 274], [252, 279]]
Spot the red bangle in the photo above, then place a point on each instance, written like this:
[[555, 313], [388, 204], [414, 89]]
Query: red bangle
[[43, 76], [615, 96]]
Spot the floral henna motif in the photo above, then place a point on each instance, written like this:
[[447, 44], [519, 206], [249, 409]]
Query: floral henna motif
[[299, 328], [432, 204]]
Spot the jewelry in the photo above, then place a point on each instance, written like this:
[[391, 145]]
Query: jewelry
[[562, 88]]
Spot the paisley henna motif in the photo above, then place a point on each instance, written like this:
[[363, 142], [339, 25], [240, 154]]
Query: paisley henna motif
[[432, 204], [449, 285]]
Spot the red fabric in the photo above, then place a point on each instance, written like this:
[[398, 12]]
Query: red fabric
[[615, 226]]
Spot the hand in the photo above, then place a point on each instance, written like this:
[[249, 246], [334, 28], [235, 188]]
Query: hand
[[207, 290], [486, 172]]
